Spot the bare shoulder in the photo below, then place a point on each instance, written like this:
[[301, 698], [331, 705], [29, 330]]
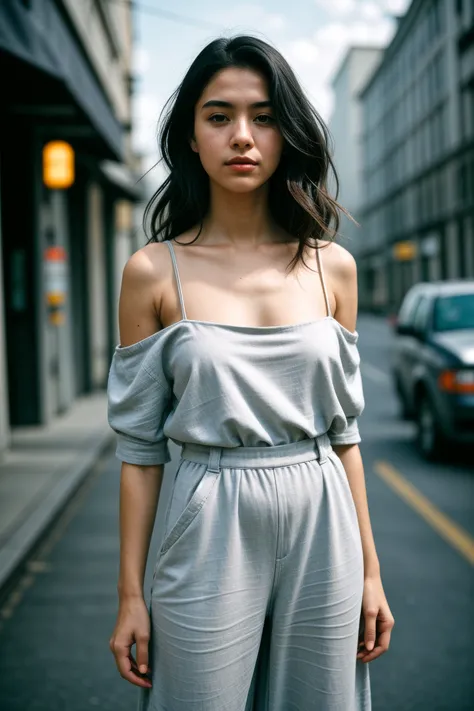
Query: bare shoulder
[[338, 262], [341, 274], [143, 282], [146, 265]]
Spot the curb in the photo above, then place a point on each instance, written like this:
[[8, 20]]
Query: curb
[[27, 534]]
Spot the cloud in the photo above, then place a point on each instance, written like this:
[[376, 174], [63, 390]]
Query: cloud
[[396, 7], [340, 8], [304, 51], [146, 110], [250, 16], [141, 60], [369, 9], [315, 58]]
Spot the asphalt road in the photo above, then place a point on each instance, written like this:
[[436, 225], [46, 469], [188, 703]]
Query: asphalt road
[[56, 621]]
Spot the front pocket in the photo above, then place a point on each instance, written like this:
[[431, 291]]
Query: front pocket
[[191, 509]]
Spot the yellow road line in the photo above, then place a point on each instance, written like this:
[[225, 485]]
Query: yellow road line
[[450, 531]]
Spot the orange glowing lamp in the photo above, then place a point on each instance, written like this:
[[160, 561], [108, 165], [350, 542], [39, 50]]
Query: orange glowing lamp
[[58, 165]]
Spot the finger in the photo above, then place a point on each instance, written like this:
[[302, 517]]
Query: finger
[[382, 646], [366, 657], [370, 631], [125, 665], [142, 652], [146, 676], [136, 670]]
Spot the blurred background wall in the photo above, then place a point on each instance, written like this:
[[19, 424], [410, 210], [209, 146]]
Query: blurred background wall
[[65, 70]]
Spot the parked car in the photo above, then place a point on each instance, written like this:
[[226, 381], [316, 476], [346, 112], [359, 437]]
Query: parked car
[[433, 366]]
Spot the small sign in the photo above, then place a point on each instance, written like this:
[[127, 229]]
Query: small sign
[[55, 278], [404, 251]]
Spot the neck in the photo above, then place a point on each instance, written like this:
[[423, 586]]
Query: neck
[[240, 218]]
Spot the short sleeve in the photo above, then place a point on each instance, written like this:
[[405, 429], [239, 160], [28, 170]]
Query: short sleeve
[[138, 405], [349, 435], [347, 384]]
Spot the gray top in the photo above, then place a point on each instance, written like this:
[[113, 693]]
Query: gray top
[[229, 386]]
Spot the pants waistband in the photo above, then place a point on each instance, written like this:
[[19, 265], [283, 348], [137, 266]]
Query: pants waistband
[[247, 457]]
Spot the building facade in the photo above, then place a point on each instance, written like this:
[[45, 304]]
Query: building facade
[[345, 126], [65, 69], [418, 155]]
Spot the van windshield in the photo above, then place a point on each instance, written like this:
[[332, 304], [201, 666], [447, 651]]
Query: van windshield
[[454, 312]]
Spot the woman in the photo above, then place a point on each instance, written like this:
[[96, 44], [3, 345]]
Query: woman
[[266, 591]]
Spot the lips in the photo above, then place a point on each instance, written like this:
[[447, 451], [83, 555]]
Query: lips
[[241, 161]]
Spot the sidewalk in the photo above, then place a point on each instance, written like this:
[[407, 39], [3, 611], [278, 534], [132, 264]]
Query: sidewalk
[[41, 470]]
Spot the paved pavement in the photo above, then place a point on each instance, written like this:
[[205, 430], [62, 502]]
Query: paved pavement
[[41, 470], [56, 622]]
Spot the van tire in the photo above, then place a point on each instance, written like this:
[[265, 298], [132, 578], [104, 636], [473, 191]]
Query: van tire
[[430, 439]]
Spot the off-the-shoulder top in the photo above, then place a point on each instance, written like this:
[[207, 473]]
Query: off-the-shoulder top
[[230, 386]]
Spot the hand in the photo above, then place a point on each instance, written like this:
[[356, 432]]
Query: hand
[[132, 627], [377, 621]]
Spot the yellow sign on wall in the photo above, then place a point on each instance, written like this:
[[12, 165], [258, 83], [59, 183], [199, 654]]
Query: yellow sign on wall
[[404, 251], [58, 165]]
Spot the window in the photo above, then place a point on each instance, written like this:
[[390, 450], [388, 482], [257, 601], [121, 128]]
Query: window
[[440, 192], [409, 306], [442, 129], [467, 113], [422, 314], [438, 17], [434, 147], [454, 313], [463, 184]]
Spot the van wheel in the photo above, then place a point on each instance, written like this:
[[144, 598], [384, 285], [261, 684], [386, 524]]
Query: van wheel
[[403, 409], [431, 441]]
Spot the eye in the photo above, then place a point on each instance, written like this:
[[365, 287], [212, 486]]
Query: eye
[[265, 119], [217, 118]]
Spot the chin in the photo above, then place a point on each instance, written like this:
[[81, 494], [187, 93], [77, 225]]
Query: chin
[[241, 185]]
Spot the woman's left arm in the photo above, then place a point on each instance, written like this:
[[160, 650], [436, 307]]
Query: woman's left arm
[[377, 618]]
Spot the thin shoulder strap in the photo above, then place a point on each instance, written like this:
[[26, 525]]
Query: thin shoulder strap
[[178, 280], [323, 283]]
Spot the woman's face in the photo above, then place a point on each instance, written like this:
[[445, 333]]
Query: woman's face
[[233, 120]]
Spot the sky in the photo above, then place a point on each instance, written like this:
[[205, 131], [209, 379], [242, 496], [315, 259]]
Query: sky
[[313, 35]]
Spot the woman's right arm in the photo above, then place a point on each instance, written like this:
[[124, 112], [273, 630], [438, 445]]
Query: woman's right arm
[[139, 487], [139, 494]]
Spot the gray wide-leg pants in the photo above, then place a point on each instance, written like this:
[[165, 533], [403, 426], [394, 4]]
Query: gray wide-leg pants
[[257, 590]]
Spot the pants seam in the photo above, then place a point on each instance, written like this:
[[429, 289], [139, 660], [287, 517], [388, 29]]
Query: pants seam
[[276, 571], [276, 577]]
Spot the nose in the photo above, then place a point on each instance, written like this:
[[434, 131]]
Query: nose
[[242, 136]]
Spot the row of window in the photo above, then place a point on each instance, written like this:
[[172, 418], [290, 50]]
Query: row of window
[[417, 102], [467, 112], [465, 179], [398, 74], [465, 10], [416, 153], [423, 202], [429, 28]]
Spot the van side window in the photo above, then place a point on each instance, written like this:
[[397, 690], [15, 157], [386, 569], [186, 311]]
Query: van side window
[[422, 314], [409, 308]]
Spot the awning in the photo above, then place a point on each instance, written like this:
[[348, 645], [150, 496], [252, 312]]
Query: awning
[[38, 34], [123, 180]]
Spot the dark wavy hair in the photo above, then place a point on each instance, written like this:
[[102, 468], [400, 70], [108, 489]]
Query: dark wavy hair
[[299, 200]]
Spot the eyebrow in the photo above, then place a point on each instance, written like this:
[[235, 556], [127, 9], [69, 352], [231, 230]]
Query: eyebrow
[[228, 105]]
